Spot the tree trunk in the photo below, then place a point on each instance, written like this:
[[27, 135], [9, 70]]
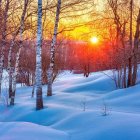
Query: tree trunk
[[39, 100], [136, 44], [124, 76], [4, 29], [18, 53], [124, 84], [10, 67], [15, 75], [33, 90], [52, 51], [129, 82]]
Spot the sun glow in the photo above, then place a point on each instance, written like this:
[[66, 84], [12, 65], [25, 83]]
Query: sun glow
[[94, 40]]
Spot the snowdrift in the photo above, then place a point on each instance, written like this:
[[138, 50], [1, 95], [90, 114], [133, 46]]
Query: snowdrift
[[75, 111]]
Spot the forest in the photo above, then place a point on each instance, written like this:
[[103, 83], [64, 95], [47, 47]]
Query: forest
[[41, 40]]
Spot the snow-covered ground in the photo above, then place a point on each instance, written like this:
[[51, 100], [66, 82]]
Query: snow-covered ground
[[75, 111]]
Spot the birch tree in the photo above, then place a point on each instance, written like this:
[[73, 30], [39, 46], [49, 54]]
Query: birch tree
[[39, 100], [10, 69], [3, 43], [16, 69], [52, 50]]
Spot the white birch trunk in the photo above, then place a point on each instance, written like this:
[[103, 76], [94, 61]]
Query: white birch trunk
[[10, 68], [38, 76], [18, 53], [52, 51], [3, 40]]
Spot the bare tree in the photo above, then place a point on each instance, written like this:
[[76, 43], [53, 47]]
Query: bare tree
[[120, 42], [129, 83], [135, 51], [16, 69], [52, 51], [3, 43]]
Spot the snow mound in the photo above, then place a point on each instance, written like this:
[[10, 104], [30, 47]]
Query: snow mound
[[28, 131]]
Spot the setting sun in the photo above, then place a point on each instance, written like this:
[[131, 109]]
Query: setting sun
[[94, 40]]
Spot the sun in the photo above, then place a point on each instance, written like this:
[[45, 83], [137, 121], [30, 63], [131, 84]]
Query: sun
[[94, 40]]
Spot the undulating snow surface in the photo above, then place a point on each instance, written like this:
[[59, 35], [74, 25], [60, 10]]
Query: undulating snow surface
[[74, 112]]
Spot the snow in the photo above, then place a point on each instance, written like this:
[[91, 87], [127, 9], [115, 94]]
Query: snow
[[75, 111], [25, 130]]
